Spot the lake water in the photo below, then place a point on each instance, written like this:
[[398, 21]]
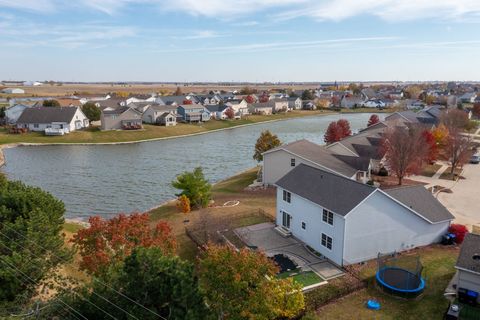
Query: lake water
[[109, 179]]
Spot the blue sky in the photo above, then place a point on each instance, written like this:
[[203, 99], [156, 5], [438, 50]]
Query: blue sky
[[239, 40]]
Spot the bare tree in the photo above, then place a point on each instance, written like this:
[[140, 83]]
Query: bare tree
[[405, 150], [457, 149]]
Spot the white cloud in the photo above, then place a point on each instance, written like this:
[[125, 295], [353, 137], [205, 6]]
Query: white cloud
[[336, 10], [202, 34]]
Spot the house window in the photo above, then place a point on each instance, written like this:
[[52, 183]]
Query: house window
[[327, 217], [286, 219], [304, 225], [292, 162], [35, 125], [287, 196], [327, 241]]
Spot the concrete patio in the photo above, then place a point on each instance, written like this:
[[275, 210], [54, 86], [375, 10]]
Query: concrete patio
[[271, 242]]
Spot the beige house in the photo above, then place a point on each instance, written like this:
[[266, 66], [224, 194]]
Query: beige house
[[153, 114], [122, 118]]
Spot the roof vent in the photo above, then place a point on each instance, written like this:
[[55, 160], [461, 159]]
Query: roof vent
[[476, 257]]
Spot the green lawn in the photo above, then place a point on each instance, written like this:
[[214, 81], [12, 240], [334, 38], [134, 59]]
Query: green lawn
[[95, 135], [307, 278], [438, 262]]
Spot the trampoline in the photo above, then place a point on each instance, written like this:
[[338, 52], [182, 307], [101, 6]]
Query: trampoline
[[400, 278]]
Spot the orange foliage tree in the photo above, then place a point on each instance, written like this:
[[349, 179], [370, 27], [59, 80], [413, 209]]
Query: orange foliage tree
[[183, 204], [107, 242], [374, 119]]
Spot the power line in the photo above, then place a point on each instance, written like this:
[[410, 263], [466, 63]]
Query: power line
[[34, 282], [94, 278], [83, 298]]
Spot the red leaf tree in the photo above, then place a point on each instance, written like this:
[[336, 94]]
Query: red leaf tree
[[405, 150], [250, 99], [230, 113], [432, 145], [336, 131], [107, 242], [459, 230], [374, 119]]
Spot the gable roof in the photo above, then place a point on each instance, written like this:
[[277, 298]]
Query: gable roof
[[47, 114], [161, 108], [121, 110], [470, 247], [422, 202], [323, 188], [318, 155]]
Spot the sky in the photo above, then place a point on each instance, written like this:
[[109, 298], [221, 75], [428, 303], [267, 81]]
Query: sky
[[240, 40]]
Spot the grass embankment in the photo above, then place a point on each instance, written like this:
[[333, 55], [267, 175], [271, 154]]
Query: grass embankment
[[95, 135], [438, 262], [307, 278], [220, 218]]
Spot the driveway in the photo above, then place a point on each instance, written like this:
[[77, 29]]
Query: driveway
[[265, 237], [464, 202]]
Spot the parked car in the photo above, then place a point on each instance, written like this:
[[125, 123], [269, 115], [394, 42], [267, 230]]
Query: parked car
[[475, 159]]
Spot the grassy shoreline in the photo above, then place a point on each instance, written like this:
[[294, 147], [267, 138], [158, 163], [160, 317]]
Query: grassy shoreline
[[94, 135]]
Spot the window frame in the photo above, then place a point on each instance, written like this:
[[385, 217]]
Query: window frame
[[303, 225], [327, 238], [293, 162], [287, 196], [329, 217]]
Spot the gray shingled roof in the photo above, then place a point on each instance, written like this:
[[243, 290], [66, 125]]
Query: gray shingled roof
[[324, 188], [470, 248], [421, 201], [47, 114], [319, 155]]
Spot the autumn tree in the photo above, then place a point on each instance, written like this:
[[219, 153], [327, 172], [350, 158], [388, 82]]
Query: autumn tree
[[158, 286], [337, 130], [122, 94], [243, 285], [183, 204], [374, 119], [230, 113], [265, 142], [195, 187], [405, 150], [178, 92], [413, 92], [457, 149], [247, 90], [31, 241], [91, 111], [51, 103], [250, 99], [440, 134], [432, 146], [476, 110], [107, 242], [454, 119]]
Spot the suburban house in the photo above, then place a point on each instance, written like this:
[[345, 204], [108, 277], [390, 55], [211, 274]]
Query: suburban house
[[279, 105], [193, 113], [468, 267], [468, 97], [53, 120], [13, 91], [69, 102], [350, 102], [217, 111], [13, 113], [240, 106], [294, 103], [350, 222], [121, 118], [264, 108], [281, 160], [162, 115], [309, 105], [373, 103]]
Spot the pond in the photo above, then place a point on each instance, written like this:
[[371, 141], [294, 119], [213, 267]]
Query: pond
[[109, 179]]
